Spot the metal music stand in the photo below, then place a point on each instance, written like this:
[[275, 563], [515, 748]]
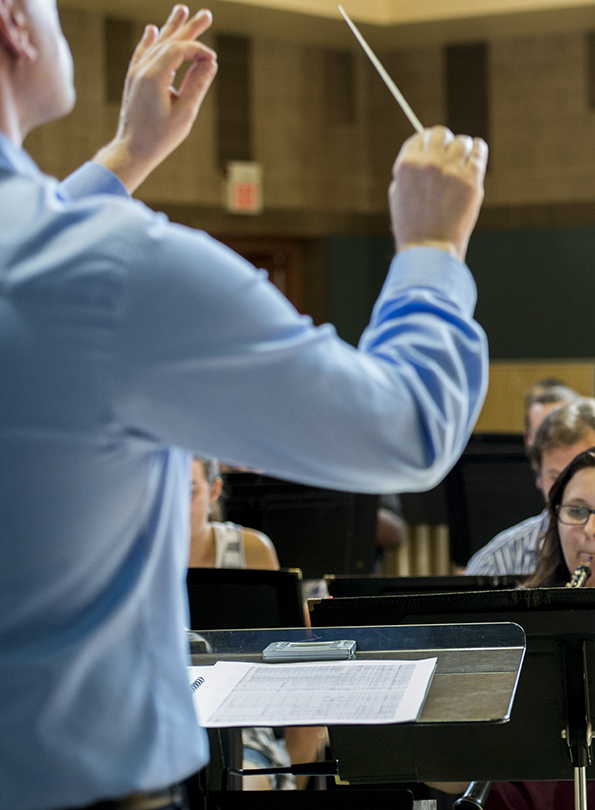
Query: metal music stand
[[474, 684], [314, 800], [549, 736], [315, 529], [339, 585], [225, 598]]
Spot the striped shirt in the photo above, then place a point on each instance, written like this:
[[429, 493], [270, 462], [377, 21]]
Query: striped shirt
[[513, 551]]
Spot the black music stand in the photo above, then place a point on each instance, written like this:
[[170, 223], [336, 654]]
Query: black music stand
[[230, 598], [491, 463], [549, 735], [314, 800], [316, 529], [385, 586], [474, 682]]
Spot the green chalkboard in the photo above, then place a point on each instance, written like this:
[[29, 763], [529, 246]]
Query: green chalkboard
[[357, 267], [536, 291], [536, 288]]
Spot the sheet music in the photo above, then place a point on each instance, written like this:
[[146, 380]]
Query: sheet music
[[323, 693]]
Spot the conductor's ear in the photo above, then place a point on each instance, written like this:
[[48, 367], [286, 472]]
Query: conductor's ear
[[14, 34], [216, 488]]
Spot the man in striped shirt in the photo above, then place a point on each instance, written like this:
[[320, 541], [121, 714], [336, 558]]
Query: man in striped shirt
[[563, 434]]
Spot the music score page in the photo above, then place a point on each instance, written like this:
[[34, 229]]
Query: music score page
[[231, 694]]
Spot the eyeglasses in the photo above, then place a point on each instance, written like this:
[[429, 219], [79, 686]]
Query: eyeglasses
[[574, 515]]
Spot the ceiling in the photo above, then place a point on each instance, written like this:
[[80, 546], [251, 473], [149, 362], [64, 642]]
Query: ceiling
[[399, 12], [386, 23]]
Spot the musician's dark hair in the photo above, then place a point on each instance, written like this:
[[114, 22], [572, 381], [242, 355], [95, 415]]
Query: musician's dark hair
[[210, 468], [551, 567], [212, 471]]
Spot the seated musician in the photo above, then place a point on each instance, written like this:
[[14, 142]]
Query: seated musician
[[565, 432], [215, 544], [568, 543], [543, 397]]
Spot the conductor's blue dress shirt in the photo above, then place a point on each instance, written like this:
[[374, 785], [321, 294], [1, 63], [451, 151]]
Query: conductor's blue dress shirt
[[124, 338]]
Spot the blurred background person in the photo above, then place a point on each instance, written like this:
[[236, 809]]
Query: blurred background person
[[218, 544], [567, 431], [543, 397]]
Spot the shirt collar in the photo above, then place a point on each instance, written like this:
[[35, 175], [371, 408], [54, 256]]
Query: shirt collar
[[14, 159]]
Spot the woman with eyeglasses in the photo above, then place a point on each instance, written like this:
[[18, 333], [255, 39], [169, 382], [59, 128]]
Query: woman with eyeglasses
[[570, 538], [568, 543]]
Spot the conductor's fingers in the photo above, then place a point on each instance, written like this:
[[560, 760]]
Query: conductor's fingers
[[196, 82], [149, 36], [178, 16], [174, 53], [459, 149], [439, 138], [478, 157], [412, 148], [196, 25]]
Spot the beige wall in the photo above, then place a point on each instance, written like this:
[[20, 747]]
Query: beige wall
[[509, 382], [61, 146], [420, 76], [305, 160], [542, 127], [543, 132], [306, 164]]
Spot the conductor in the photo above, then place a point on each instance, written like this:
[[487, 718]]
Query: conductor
[[127, 342]]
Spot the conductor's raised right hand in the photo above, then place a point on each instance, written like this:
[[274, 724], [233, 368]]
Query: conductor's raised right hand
[[437, 190]]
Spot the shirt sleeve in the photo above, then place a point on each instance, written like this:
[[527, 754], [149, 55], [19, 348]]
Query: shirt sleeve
[[211, 357], [513, 551], [91, 178], [484, 564]]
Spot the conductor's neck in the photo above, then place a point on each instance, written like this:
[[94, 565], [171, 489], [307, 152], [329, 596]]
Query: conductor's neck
[[10, 118]]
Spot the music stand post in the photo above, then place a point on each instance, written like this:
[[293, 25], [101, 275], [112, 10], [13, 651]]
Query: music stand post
[[578, 731]]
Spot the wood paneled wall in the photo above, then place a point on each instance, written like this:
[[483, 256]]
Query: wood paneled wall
[[509, 381]]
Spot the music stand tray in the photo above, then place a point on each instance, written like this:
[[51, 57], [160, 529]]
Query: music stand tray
[[474, 683]]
